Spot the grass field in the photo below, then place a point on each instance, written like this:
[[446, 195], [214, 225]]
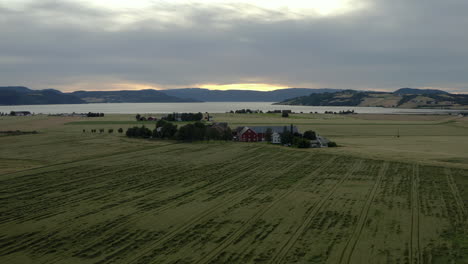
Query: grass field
[[73, 197]]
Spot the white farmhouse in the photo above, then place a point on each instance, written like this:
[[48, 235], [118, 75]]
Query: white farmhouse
[[276, 138]]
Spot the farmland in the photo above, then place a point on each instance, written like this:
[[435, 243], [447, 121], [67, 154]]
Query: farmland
[[73, 197]]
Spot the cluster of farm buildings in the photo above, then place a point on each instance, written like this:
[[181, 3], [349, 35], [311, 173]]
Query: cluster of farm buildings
[[259, 134]]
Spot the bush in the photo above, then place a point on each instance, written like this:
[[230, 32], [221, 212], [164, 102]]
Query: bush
[[309, 134], [94, 114], [168, 130], [332, 144], [138, 132], [268, 134], [301, 142]]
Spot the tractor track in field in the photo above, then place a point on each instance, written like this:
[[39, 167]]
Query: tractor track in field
[[350, 246], [415, 251], [456, 195], [245, 227], [175, 200], [86, 159], [164, 179], [284, 249], [186, 226], [76, 180]]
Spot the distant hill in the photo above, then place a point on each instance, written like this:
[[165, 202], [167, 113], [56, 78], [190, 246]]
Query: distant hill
[[419, 91], [19, 95], [402, 98], [138, 96], [243, 95]]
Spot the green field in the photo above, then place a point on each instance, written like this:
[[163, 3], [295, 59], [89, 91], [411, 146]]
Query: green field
[[73, 197]]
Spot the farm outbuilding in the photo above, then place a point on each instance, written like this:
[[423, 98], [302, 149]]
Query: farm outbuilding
[[258, 133], [247, 135]]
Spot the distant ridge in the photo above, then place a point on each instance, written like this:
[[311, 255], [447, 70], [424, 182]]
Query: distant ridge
[[401, 98], [20, 95], [419, 91], [207, 95], [129, 96]]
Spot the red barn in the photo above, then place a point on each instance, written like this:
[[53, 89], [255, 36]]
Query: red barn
[[258, 133], [248, 135]]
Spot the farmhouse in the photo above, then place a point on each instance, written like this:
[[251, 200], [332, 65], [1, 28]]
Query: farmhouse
[[276, 138], [258, 133]]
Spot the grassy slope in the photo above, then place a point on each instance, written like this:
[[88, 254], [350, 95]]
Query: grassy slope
[[69, 197]]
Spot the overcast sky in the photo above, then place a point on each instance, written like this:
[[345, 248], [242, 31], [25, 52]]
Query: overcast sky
[[264, 44]]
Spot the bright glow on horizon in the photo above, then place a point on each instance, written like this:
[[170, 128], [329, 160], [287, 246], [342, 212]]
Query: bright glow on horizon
[[291, 7], [125, 85], [244, 86], [321, 7]]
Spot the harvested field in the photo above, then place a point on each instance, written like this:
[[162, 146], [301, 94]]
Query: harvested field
[[72, 197], [216, 203]]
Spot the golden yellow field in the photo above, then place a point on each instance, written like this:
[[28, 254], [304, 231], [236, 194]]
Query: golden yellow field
[[74, 197]]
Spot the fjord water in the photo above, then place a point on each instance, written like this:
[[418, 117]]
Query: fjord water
[[211, 107]]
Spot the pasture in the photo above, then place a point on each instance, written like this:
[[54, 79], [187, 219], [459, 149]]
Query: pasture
[[73, 197]]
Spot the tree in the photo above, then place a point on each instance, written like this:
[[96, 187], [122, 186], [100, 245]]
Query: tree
[[301, 142], [168, 130], [199, 131], [311, 135], [111, 131], [268, 134], [120, 130], [227, 134], [186, 133], [332, 144], [138, 132], [137, 117], [213, 134], [160, 123], [284, 114], [286, 136]]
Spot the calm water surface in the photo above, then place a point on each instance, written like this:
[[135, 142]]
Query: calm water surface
[[211, 107]]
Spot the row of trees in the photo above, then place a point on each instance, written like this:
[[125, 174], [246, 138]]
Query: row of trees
[[94, 114], [197, 131], [101, 130], [246, 111], [347, 112], [187, 117]]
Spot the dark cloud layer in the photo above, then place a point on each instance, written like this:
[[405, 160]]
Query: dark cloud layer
[[390, 44]]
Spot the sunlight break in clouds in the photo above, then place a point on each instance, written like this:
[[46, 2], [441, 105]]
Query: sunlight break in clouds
[[291, 8], [321, 7], [244, 86]]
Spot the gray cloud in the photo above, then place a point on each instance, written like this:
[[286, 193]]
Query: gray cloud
[[389, 45]]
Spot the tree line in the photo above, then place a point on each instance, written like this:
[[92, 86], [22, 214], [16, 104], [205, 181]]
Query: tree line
[[186, 117], [197, 131], [90, 114], [102, 130]]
